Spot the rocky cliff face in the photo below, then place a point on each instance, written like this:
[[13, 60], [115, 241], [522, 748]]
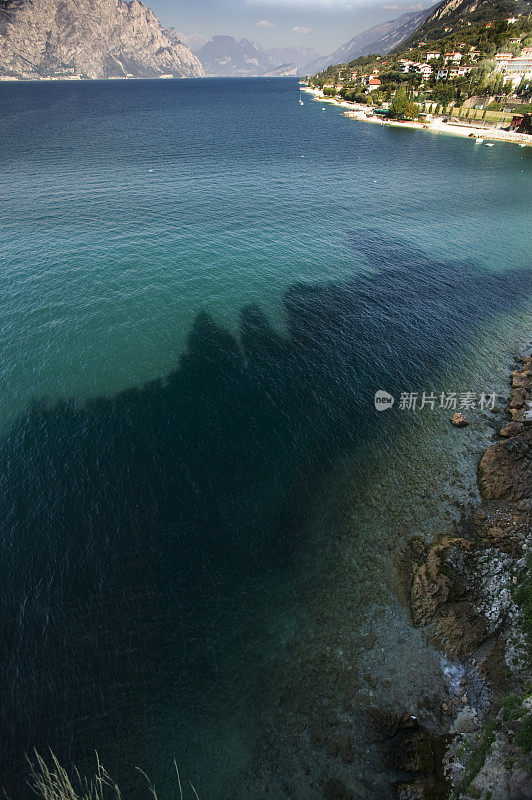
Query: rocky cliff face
[[89, 38]]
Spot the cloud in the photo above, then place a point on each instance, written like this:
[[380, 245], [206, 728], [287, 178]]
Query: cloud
[[316, 4], [300, 30], [263, 23], [392, 7]]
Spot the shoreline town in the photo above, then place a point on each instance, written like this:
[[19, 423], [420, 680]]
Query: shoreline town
[[432, 122]]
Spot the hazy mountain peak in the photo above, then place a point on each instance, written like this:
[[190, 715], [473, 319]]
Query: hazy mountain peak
[[224, 55], [380, 39]]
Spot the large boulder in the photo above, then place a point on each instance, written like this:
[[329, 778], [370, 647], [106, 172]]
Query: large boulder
[[432, 581], [505, 470]]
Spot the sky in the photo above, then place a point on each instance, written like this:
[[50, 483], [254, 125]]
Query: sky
[[321, 24]]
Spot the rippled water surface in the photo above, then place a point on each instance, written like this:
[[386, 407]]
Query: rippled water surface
[[203, 284]]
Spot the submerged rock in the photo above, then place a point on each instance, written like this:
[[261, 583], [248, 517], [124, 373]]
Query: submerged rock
[[512, 429], [413, 753], [414, 791], [382, 724], [334, 789], [459, 420]]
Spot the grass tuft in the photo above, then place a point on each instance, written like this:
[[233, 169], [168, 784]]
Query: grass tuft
[[52, 782]]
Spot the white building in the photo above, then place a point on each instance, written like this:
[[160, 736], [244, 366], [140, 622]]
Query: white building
[[404, 66], [425, 70], [501, 60], [458, 72], [454, 58], [516, 69]]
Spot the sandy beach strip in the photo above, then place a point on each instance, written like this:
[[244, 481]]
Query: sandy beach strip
[[361, 113]]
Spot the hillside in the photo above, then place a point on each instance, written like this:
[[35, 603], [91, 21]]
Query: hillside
[[455, 15], [378, 39], [282, 71], [462, 62], [90, 39]]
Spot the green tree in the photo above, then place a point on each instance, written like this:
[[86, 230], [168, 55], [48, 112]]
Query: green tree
[[402, 107], [399, 104]]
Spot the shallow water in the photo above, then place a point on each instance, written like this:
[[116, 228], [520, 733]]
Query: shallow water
[[203, 286]]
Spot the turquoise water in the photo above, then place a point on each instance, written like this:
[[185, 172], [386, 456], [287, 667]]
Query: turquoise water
[[203, 284]]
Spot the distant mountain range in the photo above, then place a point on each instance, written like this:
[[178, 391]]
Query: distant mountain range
[[88, 38], [227, 56], [378, 39]]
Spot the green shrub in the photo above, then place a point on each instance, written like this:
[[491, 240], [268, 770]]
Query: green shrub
[[511, 707], [523, 597], [524, 737], [478, 754]]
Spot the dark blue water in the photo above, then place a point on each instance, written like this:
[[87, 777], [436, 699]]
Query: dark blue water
[[203, 285]]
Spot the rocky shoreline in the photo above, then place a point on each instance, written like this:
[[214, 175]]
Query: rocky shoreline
[[470, 592], [419, 689]]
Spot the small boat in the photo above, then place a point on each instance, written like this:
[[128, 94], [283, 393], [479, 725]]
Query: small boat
[[489, 144], [479, 140], [301, 103]]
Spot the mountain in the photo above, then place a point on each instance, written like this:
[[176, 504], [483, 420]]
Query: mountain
[[282, 71], [300, 56], [227, 56], [462, 13], [88, 38], [194, 41], [378, 39]]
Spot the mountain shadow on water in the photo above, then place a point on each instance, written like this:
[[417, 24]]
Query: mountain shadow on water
[[134, 525]]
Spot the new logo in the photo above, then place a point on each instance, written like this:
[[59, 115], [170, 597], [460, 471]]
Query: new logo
[[383, 400]]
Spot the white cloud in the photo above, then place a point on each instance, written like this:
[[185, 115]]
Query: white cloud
[[300, 30], [342, 5], [329, 4], [263, 23]]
